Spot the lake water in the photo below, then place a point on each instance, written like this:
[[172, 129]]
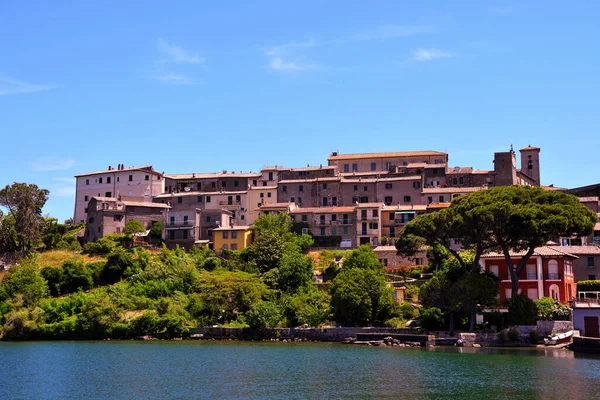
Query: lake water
[[216, 370]]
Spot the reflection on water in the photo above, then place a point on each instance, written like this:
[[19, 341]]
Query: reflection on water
[[162, 370]]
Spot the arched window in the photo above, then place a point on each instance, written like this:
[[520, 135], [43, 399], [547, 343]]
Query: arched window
[[554, 292]]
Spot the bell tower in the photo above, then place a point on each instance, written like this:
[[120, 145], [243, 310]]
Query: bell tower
[[530, 163]]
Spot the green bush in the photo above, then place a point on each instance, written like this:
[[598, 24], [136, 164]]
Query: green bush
[[395, 322], [522, 310], [76, 276], [211, 263], [432, 318], [407, 311], [265, 314], [534, 336], [101, 247], [588, 286], [544, 308], [411, 292], [54, 277]]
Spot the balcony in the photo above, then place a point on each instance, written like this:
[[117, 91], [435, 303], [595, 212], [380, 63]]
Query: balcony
[[345, 222], [324, 222], [553, 277], [230, 203], [369, 218], [179, 223]]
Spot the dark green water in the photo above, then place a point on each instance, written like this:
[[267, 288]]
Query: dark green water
[[216, 370]]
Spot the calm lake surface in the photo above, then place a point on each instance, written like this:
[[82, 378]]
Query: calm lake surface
[[213, 369]]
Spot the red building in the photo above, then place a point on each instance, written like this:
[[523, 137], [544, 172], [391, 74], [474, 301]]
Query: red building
[[548, 273]]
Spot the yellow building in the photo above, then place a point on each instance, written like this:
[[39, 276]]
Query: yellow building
[[232, 238]]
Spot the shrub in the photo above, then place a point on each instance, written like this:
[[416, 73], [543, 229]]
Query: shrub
[[544, 308], [54, 277], [431, 318], [395, 322], [62, 245], [211, 263], [101, 246], [534, 336], [265, 314], [411, 292], [522, 310], [513, 334], [407, 311], [76, 276], [588, 286]]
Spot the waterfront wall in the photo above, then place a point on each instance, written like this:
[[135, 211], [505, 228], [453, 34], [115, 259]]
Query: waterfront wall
[[319, 334], [546, 328]]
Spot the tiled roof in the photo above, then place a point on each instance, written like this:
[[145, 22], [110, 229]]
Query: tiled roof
[[274, 168], [431, 166], [370, 205], [262, 187], [309, 180], [359, 156], [313, 168], [544, 251], [438, 205], [204, 175], [98, 198], [589, 199], [276, 205], [579, 250], [551, 187], [385, 248], [322, 210], [233, 228], [482, 171], [418, 207], [459, 170], [452, 190], [145, 204], [530, 147], [147, 168]]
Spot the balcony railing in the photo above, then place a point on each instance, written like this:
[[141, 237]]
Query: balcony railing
[[369, 218], [554, 276], [345, 222], [179, 223], [531, 277]]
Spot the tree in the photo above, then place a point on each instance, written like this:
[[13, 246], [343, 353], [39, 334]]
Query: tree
[[363, 257], [267, 251], [156, 231], [295, 271], [508, 218], [133, 226], [24, 280], [24, 204], [279, 223]]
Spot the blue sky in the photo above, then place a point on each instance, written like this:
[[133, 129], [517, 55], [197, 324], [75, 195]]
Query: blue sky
[[205, 86]]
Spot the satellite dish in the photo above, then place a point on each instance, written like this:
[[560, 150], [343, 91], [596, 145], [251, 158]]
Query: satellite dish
[[187, 189]]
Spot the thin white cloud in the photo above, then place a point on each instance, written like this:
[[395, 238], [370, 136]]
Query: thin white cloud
[[15, 86], [430, 54], [284, 57], [52, 164], [175, 79], [178, 55]]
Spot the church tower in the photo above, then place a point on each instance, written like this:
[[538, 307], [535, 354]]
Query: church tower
[[530, 163]]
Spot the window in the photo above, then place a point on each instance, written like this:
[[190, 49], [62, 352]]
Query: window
[[363, 199], [179, 199], [434, 171], [213, 184], [416, 185], [590, 261], [265, 183], [461, 180], [299, 199], [356, 188], [373, 225], [172, 235], [172, 221], [291, 199], [324, 201], [301, 188], [345, 230], [234, 235], [91, 220], [108, 179], [208, 199], [225, 247], [387, 200], [373, 166], [243, 217], [185, 219], [284, 188], [494, 269], [429, 200], [224, 183], [100, 180], [375, 213], [333, 230], [366, 188], [85, 211], [238, 198], [87, 181], [591, 277], [254, 182], [388, 185], [225, 235], [354, 167], [184, 234], [529, 164], [108, 194], [392, 231], [322, 231], [441, 199], [262, 195], [199, 199], [85, 198], [346, 168], [454, 181], [407, 199], [208, 218], [130, 178], [322, 219], [388, 165], [236, 183], [268, 195], [147, 192], [99, 230], [334, 201], [233, 246], [270, 176]]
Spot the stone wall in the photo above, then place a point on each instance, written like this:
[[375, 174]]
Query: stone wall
[[546, 328]]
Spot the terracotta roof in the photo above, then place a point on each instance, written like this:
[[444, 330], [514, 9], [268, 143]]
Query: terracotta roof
[[262, 187], [589, 199], [313, 168], [195, 193], [438, 205], [544, 251], [482, 171], [233, 228], [385, 248], [358, 180], [204, 175], [99, 198], [276, 205], [551, 187], [309, 180], [274, 168], [359, 156], [147, 168], [530, 147], [579, 250], [459, 170], [452, 190], [322, 210], [417, 207], [370, 205], [144, 204], [431, 166]]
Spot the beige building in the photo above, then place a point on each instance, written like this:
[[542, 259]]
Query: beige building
[[133, 183], [384, 161], [328, 221], [108, 215], [368, 225], [259, 196]]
